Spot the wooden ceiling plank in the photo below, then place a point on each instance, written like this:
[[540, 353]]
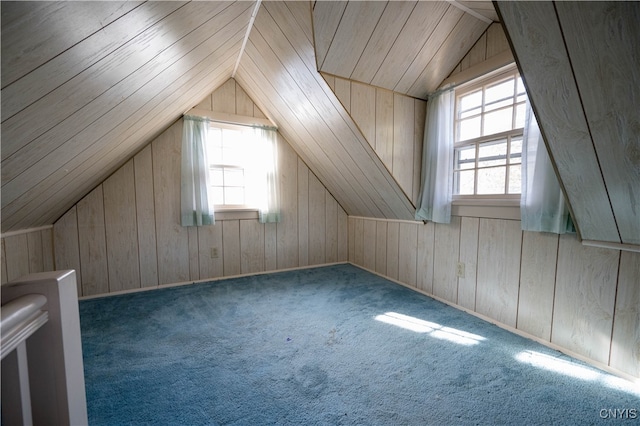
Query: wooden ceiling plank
[[50, 199], [24, 49], [358, 23], [540, 51], [304, 18], [88, 122], [484, 8], [604, 48], [73, 96], [288, 85], [414, 34], [326, 18], [384, 35], [431, 47], [125, 124], [459, 41], [385, 190], [60, 69]]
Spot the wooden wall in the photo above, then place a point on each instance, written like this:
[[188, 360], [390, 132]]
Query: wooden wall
[[585, 300], [391, 122], [125, 234], [492, 43], [26, 253]]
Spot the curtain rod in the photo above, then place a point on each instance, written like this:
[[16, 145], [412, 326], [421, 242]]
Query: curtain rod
[[240, 120]]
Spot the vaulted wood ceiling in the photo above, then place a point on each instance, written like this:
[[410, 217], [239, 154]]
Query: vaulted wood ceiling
[[85, 85], [580, 63], [409, 47]]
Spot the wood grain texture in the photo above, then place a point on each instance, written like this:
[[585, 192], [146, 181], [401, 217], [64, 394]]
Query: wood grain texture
[[384, 126], [363, 110], [3, 263], [585, 282], [172, 238], [393, 248], [270, 247], [426, 236], [381, 247], [194, 254], [231, 250], [351, 240], [369, 245], [146, 217], [17, 256], [331, 228], [469, 228], [48, 259], [342, 90], [403, 141], [210, 237], [625, 342], [537, 283], [34, 244], [539, 47], [408, 253], [326, 18], [303, 213], [121, 229], [67, 250], [447, 251], [600, 49], [343, 235], [499, 245], [93, 244], [317, 221], [287, 229], [252, 253], [358, 242]]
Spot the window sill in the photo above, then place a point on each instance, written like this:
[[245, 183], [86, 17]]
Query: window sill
[[487, 208], [235, 214]]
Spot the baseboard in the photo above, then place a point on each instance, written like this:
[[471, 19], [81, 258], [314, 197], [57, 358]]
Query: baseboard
[[550, 345], [205, 280]]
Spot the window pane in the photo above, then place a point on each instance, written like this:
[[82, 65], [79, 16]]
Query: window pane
[[234, 177], [498, 121], [470, 113], [214, 136], [499, 91], [492, 153], [498, 104], [234, 195], [463, 182], [216, 177], [491, 181], [520, 116], [468, 129], [520, 85], [232, 156], [465, 157], [515, 179], [516, 150], [471, 101], [218, 195]]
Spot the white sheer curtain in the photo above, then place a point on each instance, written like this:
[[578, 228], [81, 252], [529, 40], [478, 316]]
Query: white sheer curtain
[[194, 207], [436, 189], [264, 171], [542, 204]]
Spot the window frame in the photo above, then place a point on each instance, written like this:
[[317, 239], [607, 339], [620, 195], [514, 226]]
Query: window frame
[[481, 83]]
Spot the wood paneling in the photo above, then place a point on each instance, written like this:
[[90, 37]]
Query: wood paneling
[[408, 47], [278, 67], [17, 256], [584, 298], [625, 343], [65, 242], [141, 210], [550, 288], [326, 18], [537, 283], [408, 253], [27, 253], [369, 245], [541, 50], [92, 243]]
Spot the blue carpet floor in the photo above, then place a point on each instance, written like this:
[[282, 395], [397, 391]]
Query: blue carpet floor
[[326, 346]]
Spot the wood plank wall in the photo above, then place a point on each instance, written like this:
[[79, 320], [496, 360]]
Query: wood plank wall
[[492, 43], [391, 122], [585, 300], [125, 234]]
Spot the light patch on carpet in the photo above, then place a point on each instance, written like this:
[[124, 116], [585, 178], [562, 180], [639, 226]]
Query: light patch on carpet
[[433, 329]]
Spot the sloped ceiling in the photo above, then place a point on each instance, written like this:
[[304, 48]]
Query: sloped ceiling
[[580, 62], [85, 85], [409, 47]]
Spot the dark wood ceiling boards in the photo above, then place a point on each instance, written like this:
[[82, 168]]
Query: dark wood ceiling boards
[[77, 108], [407, 47], [580, 64]]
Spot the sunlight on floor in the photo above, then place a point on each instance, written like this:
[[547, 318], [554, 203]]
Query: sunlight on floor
[[434, 330], [568, 368]]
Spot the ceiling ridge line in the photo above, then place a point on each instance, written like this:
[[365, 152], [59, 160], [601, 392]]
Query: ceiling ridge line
[[246, 37], [469, 11]]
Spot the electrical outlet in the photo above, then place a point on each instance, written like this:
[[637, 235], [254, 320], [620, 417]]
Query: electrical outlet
[[214, 252], [460, 270]]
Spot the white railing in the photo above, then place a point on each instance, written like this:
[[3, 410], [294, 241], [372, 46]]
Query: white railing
[[41, 351]]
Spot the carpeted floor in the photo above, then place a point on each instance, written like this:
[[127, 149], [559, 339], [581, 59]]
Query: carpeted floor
[[331, 345]]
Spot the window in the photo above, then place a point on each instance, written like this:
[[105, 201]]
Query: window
[[488, 127], [240, 161]]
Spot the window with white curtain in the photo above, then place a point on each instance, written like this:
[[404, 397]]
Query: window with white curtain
[[489, 119], [241, 163]]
